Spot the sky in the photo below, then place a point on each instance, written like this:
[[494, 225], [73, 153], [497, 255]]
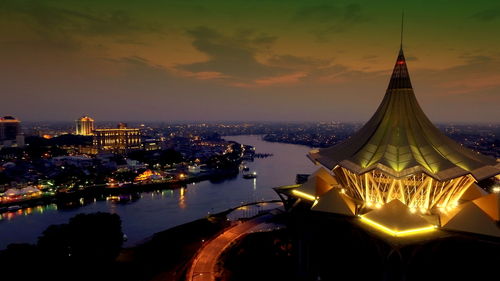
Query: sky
[[245, 60]]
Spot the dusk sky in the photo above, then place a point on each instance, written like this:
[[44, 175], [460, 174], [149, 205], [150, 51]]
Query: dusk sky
[[243, 60]]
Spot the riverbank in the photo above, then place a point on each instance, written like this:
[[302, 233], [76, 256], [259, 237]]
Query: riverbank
[[66, 199], [150, 212]]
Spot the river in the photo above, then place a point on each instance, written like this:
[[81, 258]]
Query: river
[[160, 210]]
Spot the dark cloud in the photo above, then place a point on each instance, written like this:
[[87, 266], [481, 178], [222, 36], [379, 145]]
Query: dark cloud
[[477, 59], [328, 71], [61, 27], [301, 63], [487, 15], [139, 63], [233, 56], [338, 73], [136, 60], [83, 21], [319, 13], [477, 75], [146, 73], [264, 39], [329, 19]]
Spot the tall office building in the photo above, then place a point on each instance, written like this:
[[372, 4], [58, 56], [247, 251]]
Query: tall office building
[[85, 126], [10, 132]]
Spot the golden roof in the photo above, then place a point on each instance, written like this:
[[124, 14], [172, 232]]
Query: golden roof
[[400, 140], [86, 118]]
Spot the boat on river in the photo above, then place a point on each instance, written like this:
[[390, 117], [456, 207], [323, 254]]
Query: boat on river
[[251, 175]]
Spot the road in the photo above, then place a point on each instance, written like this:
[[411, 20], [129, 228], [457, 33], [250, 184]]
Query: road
[[203, 266]]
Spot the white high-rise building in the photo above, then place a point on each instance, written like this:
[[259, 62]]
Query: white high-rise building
[[85, 126]]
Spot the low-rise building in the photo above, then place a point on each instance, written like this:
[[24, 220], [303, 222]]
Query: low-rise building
[[118, 140]]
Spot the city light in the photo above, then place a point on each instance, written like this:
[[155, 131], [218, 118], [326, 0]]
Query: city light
[[397, 233], [304, 195]]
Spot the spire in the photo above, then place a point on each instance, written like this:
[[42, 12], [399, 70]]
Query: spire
[[402, 23], [400, 78]]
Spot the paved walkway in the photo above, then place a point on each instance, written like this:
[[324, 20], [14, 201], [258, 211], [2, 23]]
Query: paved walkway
[[203, 267]]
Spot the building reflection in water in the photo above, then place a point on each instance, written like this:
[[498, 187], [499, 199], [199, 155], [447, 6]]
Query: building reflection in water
[[182, 201], [28, 211], [167, 193], [111, 199]]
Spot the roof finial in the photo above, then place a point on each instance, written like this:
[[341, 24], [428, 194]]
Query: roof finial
[[402, 25]]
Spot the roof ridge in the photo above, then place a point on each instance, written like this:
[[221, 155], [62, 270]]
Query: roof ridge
[[400, 78]]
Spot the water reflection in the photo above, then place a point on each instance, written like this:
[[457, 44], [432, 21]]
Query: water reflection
[[10, 215], [182, 201], [124, 198], [149, 212]]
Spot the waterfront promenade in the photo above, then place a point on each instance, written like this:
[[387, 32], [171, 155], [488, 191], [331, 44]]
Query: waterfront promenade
[[203, 267]]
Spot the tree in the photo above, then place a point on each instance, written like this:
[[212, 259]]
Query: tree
[[170, 156], [87, 239], [95, 238], [54, 242], [20, 262]]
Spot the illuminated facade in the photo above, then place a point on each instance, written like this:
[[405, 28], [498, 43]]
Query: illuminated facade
[[400, 174], [148, 175], [85, 126], [118, 140]]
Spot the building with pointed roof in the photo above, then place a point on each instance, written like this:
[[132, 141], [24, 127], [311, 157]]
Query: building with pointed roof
[[401, 174]]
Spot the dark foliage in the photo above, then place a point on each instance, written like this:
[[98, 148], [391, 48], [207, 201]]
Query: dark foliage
[[95, 238], [87, 238], [270, 260], [20, 262], [84, 249], [163, 157]]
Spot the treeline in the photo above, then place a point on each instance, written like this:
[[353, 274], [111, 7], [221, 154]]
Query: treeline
[[83, 249]]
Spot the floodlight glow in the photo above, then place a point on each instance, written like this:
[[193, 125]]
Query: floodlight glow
[[397, 233], [304, 195]]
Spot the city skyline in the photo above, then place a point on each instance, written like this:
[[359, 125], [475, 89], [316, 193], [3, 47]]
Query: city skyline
[[249, 140], [237, 61]]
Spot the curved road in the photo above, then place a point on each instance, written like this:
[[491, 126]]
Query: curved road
[[203, 266]]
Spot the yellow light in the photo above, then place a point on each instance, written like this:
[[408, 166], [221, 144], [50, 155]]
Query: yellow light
[[315, 202], [413, 210], [395, 232], [378, 205], [304, 195]]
